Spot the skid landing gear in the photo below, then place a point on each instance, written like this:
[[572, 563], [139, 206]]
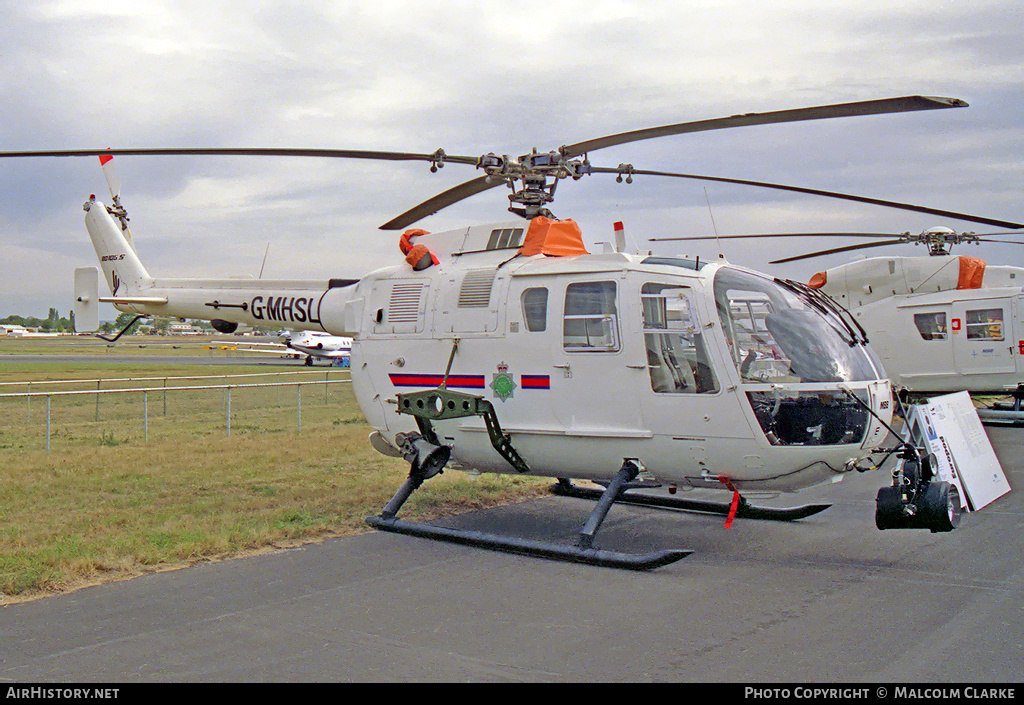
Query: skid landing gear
[[743, 510], [582, 552], [1009, 412]]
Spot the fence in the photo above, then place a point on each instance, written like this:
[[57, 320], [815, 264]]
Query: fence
[[121, 401]]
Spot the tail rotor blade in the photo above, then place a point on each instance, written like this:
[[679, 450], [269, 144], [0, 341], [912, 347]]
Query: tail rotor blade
[[116, 209], [114, 183]]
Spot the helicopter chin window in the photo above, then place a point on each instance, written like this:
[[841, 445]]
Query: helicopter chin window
[[809, 418]]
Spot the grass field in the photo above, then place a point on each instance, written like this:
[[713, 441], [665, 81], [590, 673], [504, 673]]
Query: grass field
[[129, 486]]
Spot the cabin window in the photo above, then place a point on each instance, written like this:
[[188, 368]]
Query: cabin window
[[503, 238], [931, 326], [591, 319], [985, 324], [535, 309], [676, 357]]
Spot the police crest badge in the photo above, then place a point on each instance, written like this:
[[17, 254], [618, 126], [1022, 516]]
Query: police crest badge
[[502, 383]]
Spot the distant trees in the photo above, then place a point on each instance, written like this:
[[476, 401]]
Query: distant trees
[[157, 325], [53, 323]]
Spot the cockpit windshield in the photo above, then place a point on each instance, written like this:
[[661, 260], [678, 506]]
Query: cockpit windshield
[[779, 332]]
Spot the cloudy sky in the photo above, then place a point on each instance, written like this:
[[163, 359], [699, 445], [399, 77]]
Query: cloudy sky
[[480, 76]]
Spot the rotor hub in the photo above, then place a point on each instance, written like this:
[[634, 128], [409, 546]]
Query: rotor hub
[[939, 240]]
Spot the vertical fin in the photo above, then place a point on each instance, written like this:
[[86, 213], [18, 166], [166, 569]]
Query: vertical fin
[[121, 267]]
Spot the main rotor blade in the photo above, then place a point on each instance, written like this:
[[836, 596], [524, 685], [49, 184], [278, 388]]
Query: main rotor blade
[[247, 151], [836, 250], [1000, 242], [829, 194], [442, 200], [867, 107], [723, 237]]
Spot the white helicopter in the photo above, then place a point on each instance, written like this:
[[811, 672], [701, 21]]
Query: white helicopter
[[509, 348], [940, 323]]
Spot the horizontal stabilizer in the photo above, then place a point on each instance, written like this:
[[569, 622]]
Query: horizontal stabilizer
[[133, 299]]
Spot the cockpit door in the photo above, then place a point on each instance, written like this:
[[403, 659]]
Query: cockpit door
[[685, 391]]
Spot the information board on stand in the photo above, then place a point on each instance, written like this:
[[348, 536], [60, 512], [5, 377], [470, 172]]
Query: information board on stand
[[949, 427]]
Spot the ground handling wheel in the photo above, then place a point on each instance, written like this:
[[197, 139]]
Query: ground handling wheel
[[940, 507], [890, 512], [937, 508]]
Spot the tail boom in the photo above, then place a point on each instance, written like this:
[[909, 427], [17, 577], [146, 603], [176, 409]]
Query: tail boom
[[293, 304]]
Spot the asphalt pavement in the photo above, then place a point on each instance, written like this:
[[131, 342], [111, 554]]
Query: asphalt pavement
[[825, 599]]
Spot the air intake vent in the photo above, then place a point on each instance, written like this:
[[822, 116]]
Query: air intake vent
[[404, 306], [476, 288]]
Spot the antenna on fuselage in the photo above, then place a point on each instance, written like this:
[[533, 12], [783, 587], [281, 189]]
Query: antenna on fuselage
[[714, 227]]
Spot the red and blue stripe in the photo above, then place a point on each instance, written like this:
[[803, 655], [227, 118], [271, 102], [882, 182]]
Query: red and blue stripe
[[415, 380], [535, 382], [463, 381]]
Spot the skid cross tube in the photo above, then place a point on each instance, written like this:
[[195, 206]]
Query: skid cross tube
[[410, 485], [582, 552], [745, 510], [627, 473]]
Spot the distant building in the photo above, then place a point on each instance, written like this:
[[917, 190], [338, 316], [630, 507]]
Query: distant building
[[183, 329], [15, 331]]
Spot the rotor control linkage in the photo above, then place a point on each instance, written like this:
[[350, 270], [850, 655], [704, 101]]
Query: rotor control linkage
[[580, 553]]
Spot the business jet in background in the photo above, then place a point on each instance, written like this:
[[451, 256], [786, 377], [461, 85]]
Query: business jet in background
[[313, 345]]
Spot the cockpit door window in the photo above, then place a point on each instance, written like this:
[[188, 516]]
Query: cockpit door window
[[676, 356], [985, 324]]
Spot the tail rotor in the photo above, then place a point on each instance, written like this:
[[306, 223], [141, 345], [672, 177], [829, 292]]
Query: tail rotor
[[116, 209]]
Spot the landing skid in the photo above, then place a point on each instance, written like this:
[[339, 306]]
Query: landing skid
[[1009, 413], [744, 510], [581, 552], [538, 549]]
